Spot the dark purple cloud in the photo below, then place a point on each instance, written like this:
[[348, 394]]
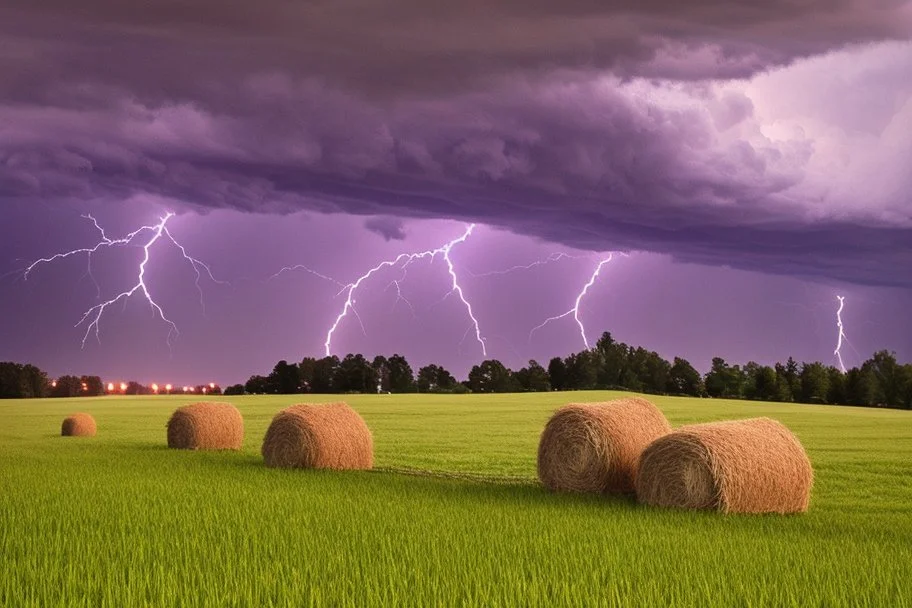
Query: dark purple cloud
[[390, 228], [599, 128], [408, 45]]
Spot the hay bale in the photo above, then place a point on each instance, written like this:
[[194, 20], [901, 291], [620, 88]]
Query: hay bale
[[595, 447], [327, 436], [206, 426], [78, 425], [739, 466]]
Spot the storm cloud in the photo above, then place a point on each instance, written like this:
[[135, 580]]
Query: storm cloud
[[723, 133]]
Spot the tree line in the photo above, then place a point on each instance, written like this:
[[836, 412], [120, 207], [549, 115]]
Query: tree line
[[26, 381], [879, 381]]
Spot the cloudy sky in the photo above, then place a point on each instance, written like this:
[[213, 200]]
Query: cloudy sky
[[747, 162]]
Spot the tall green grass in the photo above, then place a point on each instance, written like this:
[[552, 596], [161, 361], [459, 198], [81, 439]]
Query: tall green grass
[[120, 520]]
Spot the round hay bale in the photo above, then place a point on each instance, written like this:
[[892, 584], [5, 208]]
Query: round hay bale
[[78, 425], [738, 466], [595, 447], [206, 426], [326, 436]]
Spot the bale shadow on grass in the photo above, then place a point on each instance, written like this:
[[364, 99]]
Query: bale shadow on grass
[[483, 486], [510, 487], [480, 486]]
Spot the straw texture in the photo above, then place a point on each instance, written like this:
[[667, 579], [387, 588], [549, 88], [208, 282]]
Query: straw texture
[[206, 426], [78, 425], [740, 466], [595, 447], [326, 436]]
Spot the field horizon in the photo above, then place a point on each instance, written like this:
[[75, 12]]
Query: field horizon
[[452, 514]]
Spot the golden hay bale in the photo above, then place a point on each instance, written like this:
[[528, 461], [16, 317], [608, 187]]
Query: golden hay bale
[[595, 447], [206, 426], [327, 436], [78, 425], [739, 466]]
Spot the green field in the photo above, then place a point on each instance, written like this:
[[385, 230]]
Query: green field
[[452, 516]]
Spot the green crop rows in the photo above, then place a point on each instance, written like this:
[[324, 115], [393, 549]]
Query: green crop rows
[[453, 515]]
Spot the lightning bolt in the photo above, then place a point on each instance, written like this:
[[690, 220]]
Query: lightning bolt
[[576, 305], [554, 257], [194, 263], [397, 283], [309, 271], [841, 336], [92, 317], [402, 261]]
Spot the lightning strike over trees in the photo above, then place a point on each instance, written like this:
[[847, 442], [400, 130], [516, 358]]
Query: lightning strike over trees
[[402, 261], [841, 335], [576, 305], [92, 317]]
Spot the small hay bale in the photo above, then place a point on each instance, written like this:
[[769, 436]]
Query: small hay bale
[[738, 466], [595, 447], [326, 436], [78, 425], [206, 426]]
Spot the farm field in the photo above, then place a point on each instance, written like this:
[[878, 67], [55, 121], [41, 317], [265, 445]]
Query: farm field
[[453, 515]]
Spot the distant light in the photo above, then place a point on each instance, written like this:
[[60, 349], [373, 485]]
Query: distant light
[[85, 386], [54, 384], [123, 386], [204, 390], [212, 385], [110, 387], [192, 390], [168, 387], [154, 387], [185, 389]]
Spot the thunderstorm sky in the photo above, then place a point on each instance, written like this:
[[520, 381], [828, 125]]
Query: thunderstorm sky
[[752, 162]]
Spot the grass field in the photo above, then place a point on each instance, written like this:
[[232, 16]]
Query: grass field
[[452, 516]]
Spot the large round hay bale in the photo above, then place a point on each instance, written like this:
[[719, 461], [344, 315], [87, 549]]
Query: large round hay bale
[[326, 436], [739, 466], [78, 425], [206, 426], [595, 447]]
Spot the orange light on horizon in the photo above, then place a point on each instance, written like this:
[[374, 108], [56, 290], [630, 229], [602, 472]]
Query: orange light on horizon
[[110, 387], [185, 389], [154, 387], [212, 385], [168, 387], [54, 384], [192, 390], [123, 386]]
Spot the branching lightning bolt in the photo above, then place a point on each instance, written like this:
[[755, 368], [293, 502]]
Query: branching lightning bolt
[[195, 263], [554, 257], [310, 271], [841, 337], [93, 315], [402, 261], [397, 283], [576, 305]]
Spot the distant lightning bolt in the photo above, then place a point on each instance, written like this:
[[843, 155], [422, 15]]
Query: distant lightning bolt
[[397, 283], [310, 271], [554, 257], [93, 315], [195, 263], [841, 336], [402, 261], [576, 305]]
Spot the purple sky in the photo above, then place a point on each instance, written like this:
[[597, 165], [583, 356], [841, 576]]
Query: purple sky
[[752, 161]]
